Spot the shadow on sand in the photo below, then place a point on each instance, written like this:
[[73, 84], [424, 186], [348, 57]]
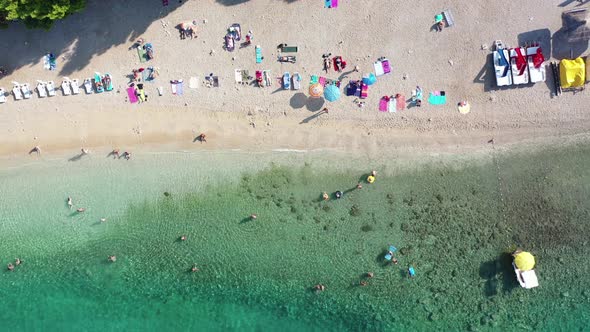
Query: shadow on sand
[[80, 37]]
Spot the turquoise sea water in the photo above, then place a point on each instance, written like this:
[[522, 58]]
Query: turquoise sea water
[[453, 220]]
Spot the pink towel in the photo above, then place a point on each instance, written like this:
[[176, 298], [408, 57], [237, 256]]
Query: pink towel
[[131, 94], [386, 67], [322, 81], [400, 103], [383, 103], [334, 3]]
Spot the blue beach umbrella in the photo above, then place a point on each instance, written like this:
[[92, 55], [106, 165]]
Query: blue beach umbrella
[[331, 93], [369, 79]]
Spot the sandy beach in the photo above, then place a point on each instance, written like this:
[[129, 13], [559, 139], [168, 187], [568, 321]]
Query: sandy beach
[[248, 117]]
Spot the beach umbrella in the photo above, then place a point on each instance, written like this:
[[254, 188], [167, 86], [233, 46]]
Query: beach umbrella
[[369, 79], [316, 90], [332, 93], [524, 261]]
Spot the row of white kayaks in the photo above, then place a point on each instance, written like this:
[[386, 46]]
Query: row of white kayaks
[[516, 66]]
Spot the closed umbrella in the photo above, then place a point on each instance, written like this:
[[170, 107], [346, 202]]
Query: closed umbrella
[[524, 261], [316, 90], [332, 93], [369, 79]]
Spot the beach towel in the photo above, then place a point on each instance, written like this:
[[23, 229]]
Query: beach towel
[[141, 54], [364, 91], [437, 98], [400, 102], [314, 79], [327, 3], [179, 87], [289, 49], [193, 82], [520, 61], [351, 88], [322, 81], [386, 66], [383, 103], [145, 75], [131, 95], [378, 68], [538, 58], [258, 54], [391, 106], [334, 3]]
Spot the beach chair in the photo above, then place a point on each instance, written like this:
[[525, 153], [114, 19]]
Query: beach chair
[[26, 89], [296, 81], [526, 279], [16, 91], [501, 64], [266, 74], [518, 65], [41, 89], [2, 96], [132, 96], [66, 86], [193, 82], [179, 87], [287, 81], [75, 85], [535, 64], [50, 88], [258, 51], [389, 255], [88, 85], [448, 14]]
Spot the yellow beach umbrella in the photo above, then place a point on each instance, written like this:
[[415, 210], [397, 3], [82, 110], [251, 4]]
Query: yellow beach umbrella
[[524, 261], [316, 90]]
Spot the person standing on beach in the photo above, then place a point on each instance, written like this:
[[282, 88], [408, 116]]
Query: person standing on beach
[[36, 149]]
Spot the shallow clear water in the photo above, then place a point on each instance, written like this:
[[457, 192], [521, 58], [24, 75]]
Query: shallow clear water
[[453, 221]]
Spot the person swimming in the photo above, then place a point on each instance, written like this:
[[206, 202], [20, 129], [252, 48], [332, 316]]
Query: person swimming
[[10, 267], [183, 238], [194, 268], [17, 261], [325, 196], [112, 258], [80, 210], [338, 194], [70, 203], [319, 288]]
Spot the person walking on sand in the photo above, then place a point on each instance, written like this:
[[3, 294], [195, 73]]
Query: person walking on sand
[[85, 151], [202, 138], [115, 154], [36, 149], [127, 155]]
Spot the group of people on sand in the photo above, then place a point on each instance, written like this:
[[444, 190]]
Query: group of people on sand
[[116, 153], [339, 194]]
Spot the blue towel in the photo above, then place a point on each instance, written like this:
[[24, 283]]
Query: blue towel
[[258, 55]]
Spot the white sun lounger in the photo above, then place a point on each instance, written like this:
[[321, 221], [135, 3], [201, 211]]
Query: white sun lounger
[[75, 85], [41, 89], [88, 86], [296, 81], [526, 279], [26, 89], [16, 91], [537, 74], [66, 86], [2, 96], [378, 66], [503, 73], [518, 79], [50, 88]]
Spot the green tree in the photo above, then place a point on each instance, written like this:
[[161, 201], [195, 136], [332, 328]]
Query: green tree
[[38, 13]]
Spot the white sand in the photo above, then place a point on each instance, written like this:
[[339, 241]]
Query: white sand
[[361, 31]]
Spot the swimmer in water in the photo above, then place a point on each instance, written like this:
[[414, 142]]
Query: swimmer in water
[[319, 288], [10, 267], [253, 216], [194, 268], [359, 186], [112, 258], [374, 173], [80, 210], [183, 238], [70, 203], [338, 194], [325, 196], [103, 219], [17, 261], [370, 275]]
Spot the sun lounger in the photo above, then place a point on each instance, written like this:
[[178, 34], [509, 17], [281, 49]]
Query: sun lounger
[[17, 92], [287, 81], [400, 102], [392, 105], [66, 87], [526, 279], [173, 85], [2, 96], [364, 91], [258, 51], [131, 94], [449, 18], [230, 45], [378, 68], [238, 76], [26, 89], [88, 85], [107, 82], [520, 74], [383, 103], [536, 65], [50, 88], [41, 89], [266, 74], [179, 88], [296, 81], [259, 78], [75, 85], [501, 64]]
